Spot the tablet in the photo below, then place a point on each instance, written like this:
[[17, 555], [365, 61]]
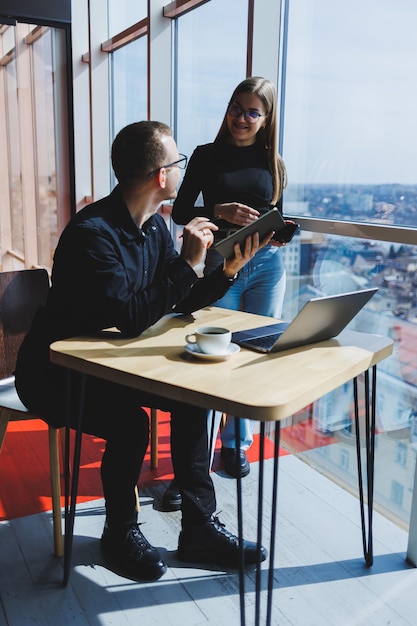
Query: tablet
[[272, 220]]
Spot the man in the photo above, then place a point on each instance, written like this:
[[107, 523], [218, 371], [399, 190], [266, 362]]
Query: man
[[115, 266]]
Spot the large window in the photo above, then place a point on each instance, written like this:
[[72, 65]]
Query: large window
[[35, 154], [350, 140], [334, 264], [350, 147]]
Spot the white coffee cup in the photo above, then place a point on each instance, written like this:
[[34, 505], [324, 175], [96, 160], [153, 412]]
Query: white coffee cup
[[211, 339]]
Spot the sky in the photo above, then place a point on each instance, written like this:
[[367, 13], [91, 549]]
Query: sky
[[351, 92]]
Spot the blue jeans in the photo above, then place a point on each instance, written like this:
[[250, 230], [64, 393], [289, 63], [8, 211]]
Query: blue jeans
[[259, 289]]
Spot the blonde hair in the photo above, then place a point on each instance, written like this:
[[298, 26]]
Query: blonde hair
[[266, 136]]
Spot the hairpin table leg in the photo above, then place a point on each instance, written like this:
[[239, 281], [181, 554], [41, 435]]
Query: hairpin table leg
[[370, 410]]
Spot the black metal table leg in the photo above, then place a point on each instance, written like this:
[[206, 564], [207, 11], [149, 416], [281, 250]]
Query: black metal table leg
[[70, 504], [274, 508], [258, 574], [367, 538], [370, 414], [259, 522], [240, 528]]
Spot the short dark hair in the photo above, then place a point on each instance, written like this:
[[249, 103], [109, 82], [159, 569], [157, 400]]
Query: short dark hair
[[137, 150]]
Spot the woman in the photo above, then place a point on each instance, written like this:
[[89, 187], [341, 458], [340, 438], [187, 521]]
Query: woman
[[240, 176]]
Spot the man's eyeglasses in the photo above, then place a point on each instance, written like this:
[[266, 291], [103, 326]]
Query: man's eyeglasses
[[250, 116], [181, 163]]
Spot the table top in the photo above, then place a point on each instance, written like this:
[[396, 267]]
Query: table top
[[249, 384]]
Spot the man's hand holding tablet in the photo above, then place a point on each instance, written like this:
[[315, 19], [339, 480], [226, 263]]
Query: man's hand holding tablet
[[268, 222]]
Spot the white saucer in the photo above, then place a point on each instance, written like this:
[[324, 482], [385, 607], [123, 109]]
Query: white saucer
[[193, 349]]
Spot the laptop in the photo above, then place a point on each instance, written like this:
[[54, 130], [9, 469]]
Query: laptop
[[320, 319]]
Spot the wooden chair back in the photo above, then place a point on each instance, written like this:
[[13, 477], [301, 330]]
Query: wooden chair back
[[22, 292]]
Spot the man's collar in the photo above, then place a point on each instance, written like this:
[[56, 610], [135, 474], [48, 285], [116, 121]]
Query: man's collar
[[123, 218]]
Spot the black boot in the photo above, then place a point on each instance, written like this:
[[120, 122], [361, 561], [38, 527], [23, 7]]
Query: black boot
[[130, 552], [213, 543]]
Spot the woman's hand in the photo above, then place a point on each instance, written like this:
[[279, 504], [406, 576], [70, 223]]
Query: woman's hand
[[284, 235], [235, 213], [278, 244], [245, 254]]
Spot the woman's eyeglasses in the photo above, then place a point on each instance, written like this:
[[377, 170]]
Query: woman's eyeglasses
[[250, 116]]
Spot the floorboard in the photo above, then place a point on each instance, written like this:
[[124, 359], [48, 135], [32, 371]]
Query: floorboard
[[319, 573]]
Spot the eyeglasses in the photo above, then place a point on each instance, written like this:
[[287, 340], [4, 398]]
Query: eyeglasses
[[181, 163], [236, 111]]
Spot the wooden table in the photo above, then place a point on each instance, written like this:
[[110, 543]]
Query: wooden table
[[261, 387]]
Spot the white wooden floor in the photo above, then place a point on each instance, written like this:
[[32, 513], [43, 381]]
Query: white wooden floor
[[320, 576]]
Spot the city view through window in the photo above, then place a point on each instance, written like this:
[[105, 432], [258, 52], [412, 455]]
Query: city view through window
[[319, 264], [349, 141]]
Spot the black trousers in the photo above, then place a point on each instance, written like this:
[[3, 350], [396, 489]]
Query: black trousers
[[114, 413]]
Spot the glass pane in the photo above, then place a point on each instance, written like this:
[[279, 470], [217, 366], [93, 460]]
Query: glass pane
[[129, 84], [324, 433], [46, 174], [206, 80], [124, 13], [13, 144], [36, 125], [350, 136]]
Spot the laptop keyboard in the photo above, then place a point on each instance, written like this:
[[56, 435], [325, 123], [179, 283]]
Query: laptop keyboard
[[265, 342]]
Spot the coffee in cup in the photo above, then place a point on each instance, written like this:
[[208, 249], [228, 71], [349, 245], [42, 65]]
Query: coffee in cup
[[211, 339]]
